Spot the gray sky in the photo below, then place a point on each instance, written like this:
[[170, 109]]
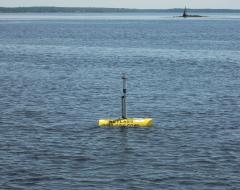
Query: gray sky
[[158, 4]]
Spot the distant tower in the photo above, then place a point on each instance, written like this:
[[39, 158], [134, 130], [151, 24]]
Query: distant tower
[[185, 12]]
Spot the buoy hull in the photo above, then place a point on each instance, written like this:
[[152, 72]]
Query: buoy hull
[[130, 122]]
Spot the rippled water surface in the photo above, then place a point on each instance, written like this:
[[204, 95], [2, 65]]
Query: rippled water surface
[[59, 76]]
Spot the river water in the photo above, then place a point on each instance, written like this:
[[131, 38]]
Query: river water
[[60, 73]]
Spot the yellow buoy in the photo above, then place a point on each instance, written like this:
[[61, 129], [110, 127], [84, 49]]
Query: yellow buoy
[[129, 122], [124, 121]]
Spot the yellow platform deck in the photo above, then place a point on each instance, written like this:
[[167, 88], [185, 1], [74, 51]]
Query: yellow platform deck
[[129, 122]]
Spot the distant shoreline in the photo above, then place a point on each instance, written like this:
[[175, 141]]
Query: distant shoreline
[[106, 10]]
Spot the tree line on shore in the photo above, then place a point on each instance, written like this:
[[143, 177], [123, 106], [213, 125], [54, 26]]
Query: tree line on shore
[[105, 10]]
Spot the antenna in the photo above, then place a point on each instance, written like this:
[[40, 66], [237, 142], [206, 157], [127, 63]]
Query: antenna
[[124, 97]]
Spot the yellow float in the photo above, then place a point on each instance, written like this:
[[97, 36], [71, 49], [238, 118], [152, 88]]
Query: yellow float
[[124, 121], [130, 122]]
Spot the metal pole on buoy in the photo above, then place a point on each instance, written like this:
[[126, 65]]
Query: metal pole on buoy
[[124, 97], [125, 121]]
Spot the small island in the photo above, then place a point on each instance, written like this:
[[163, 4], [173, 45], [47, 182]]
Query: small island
[[186, 15]]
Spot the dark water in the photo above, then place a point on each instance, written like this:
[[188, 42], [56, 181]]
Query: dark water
[[59, 76]]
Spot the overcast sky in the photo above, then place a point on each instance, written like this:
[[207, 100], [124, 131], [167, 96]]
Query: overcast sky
[[158, 4]]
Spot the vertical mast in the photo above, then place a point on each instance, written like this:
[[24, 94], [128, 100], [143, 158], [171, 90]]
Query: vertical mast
[[124, 97], [185, 12]]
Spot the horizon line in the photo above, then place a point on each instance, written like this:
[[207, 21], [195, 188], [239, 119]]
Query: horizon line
[[118, 8]]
